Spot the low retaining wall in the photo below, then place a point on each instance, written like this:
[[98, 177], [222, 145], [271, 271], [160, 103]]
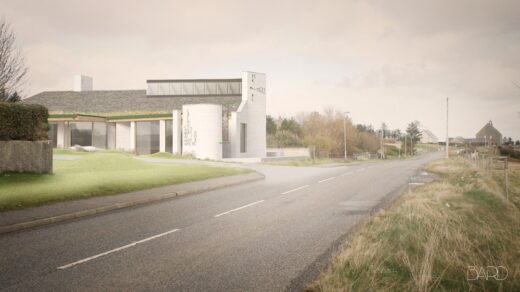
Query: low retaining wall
[[288, 152], [26, 156]]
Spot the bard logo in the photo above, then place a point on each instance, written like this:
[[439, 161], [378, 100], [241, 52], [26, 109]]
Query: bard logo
[[497, 273]]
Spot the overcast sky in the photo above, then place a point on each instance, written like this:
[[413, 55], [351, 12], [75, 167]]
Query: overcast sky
[[384, 61]]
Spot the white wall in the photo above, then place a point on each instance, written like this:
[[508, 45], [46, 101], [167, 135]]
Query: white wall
[[252, 111], [123, 136], [202, 130], [63, 135], [177, 132]]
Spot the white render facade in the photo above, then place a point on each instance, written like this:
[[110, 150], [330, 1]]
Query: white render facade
[[204, 118]]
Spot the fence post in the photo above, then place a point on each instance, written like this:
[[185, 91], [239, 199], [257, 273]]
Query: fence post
[[506, 178]]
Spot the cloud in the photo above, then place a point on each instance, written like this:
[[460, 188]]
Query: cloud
[[383, 60]]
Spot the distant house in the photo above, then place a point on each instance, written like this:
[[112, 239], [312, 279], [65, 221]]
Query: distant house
[[457, 140], [489, 134], [428, 137]]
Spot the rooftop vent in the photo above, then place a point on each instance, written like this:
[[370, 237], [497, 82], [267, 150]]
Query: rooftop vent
[[82, 83]]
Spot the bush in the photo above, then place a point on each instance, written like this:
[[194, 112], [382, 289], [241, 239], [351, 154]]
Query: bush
[[284, 139], [509, 151], [20, 121]]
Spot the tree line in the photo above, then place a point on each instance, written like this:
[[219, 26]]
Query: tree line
[[325, 131]]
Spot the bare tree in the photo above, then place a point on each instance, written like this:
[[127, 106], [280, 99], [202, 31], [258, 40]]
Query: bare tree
[[12, 65]]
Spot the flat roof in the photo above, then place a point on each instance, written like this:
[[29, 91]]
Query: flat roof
[[193, 80]]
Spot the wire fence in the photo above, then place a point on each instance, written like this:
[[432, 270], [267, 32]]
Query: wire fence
[[491, 164]]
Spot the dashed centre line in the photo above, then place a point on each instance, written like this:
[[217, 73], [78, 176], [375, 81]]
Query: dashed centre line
[[239, 208], [296, 189], [347, 173], [327, 179], [116, 249]]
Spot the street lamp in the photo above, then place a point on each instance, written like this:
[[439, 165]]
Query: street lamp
[[345, 133]]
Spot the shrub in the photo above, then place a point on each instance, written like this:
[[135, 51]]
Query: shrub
[[284, 139], [20, 121], [509, 151]]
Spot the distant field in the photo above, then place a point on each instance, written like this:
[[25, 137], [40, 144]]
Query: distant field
[[436, 237], [97, 174]]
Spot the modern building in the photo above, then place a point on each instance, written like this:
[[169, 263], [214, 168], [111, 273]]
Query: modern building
[[489, 134], [206, 118]]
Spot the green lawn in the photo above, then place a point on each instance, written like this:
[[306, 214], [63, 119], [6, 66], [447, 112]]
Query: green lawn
[[97, 174]]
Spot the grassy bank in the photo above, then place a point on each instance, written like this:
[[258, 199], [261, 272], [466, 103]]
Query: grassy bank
[[97, 174], [433, 238]]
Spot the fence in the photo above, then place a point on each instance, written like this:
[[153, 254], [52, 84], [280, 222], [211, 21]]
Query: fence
[[490, 163]]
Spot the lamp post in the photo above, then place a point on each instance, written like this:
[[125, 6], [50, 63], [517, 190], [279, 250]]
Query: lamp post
[[345, 133]]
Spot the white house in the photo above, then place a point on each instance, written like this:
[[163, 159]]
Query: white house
[[207, 118]]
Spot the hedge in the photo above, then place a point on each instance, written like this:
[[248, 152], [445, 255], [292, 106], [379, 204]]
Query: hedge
[[20, 121], [509, 151]]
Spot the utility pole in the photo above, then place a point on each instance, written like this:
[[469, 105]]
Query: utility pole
[[405, 142], [447, 138], [345, 132], [382, 152], [411, 146]]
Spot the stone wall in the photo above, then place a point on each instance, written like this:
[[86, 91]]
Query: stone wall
[[26, 156]]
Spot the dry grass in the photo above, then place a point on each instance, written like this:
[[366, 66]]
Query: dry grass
[[427, 239]]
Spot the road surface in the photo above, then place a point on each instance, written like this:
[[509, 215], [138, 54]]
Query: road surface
[[267, 235]]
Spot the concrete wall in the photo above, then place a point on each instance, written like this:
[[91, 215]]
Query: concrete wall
[[288, 152], [63, 135], [252, 112], [26, 156], [177, 132], [202, 130]]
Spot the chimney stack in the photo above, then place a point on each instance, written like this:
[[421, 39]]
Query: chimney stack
[[82, 83]]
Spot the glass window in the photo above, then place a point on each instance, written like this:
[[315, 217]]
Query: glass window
[[53, 134], [234, 88], [147, 140], [187, 88], [198, 88], [81, 133], [176, 88], [211, 88], [111, 135], [169, 135], [99, 135], [243, 137], [222, 88], [153, 88], [164, 88]]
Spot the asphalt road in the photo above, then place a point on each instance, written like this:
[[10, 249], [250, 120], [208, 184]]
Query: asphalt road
[[267, 235]]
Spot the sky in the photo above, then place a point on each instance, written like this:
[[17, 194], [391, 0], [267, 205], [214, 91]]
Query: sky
[[382, 61]]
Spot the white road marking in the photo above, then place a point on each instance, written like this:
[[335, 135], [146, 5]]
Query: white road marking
[[236, 209], [347, 173], [327, 179], [116, 249], [296, 189], [416, 184]]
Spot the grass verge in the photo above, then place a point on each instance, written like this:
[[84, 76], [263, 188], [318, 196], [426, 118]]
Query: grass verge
[[97, 174], [434, 238]]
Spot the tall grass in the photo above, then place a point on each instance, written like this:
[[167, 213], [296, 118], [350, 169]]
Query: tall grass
[[428, 239]]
